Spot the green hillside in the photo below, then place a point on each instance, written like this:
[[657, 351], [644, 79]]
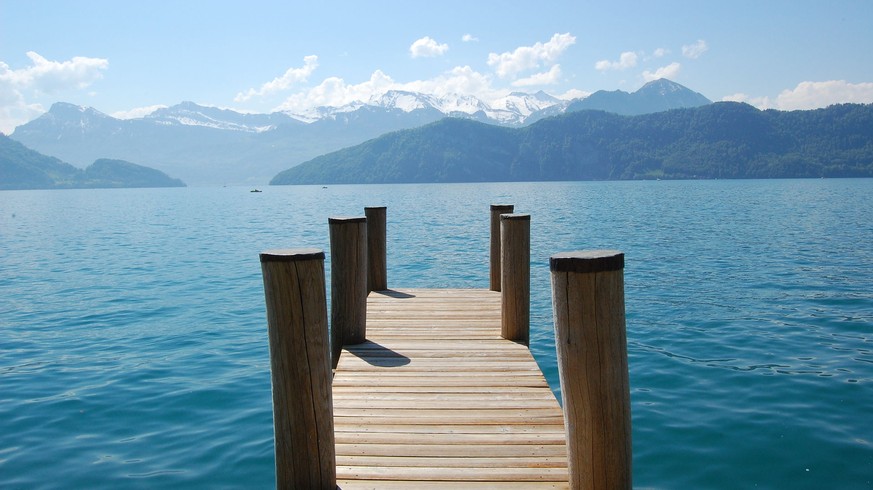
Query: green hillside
[[723, 140], [23, 168]]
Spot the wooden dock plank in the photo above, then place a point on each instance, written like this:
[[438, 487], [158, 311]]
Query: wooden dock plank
[[449, 429], [452, 438], [448, 485], [437, 399], [457, 474], [447, 462]]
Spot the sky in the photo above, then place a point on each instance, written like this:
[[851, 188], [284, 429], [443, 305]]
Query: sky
[[127, 58]]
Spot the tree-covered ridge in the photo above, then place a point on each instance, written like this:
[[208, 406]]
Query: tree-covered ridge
[[721, 140], [23, 168]]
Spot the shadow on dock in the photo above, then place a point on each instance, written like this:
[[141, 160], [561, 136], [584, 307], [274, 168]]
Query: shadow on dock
[[376, 354], [394, 294], [474, 409]]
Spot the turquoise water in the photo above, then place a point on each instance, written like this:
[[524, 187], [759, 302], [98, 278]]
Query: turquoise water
[[133, 346]]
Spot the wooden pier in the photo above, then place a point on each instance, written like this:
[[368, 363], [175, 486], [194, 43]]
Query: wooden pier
[[436, 395], [436, 388]]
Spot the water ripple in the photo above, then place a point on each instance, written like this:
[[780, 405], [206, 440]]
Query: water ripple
[[133, 346]]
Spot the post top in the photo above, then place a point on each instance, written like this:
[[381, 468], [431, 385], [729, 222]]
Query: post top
[[347, 219], [367, 208], [292, 254], [587, 261], [516, 217], [502, 207]]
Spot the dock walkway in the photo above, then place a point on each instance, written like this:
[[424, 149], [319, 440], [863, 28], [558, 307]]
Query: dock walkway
[[436, 398], [436, 388]]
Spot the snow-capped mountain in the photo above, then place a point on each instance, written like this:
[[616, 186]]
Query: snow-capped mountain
[[511, 110], [209, 145], [518, 108], [191, 114], [526, 104], [74, 118], [515, 109]]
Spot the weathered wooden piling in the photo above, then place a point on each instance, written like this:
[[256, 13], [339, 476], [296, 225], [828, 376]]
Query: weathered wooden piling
[[496, 211], [348, 283], [515, 276], [591, 340], [377, 252], [300, 368], [444, 392]]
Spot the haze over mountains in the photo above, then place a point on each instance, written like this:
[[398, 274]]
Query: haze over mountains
[[212, 146], [23, 168]]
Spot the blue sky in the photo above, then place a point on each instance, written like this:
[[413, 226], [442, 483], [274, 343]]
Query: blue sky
[[124, 58]]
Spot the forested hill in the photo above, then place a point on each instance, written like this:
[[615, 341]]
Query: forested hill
[[724, 140], [23, 168]]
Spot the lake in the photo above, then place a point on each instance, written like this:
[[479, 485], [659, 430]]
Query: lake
[[133, 340]]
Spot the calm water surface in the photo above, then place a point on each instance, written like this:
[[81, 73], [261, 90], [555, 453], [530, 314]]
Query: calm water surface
[[133, 346]]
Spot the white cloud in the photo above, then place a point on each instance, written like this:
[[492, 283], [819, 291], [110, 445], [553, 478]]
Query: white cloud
[[626, 60], [42, 77], [695, 50], [660, 52], [428, 48], [546, 78], [530, 57], [137, 112], [14, 110], [290, 78], [468, 38], [762, 103], [811, 95], [459, 80], [670, 71], [737, 97], [47, 76], [335, 92], [573, 94]]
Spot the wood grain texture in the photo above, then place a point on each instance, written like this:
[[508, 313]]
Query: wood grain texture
[[496, 211], [348, 279], [590, 334], [429, 401], [448, 485], [300, 371], [515, 276], [377, 251]]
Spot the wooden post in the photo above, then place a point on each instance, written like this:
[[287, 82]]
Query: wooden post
[[515, 277], [348, 283], [377, 253], [300, 368], [496, 211], [588, 302]]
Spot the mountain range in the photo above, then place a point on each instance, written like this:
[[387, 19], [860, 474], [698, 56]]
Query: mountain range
[[212, 146], [23, 168], [660, 95], [715, 141]]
